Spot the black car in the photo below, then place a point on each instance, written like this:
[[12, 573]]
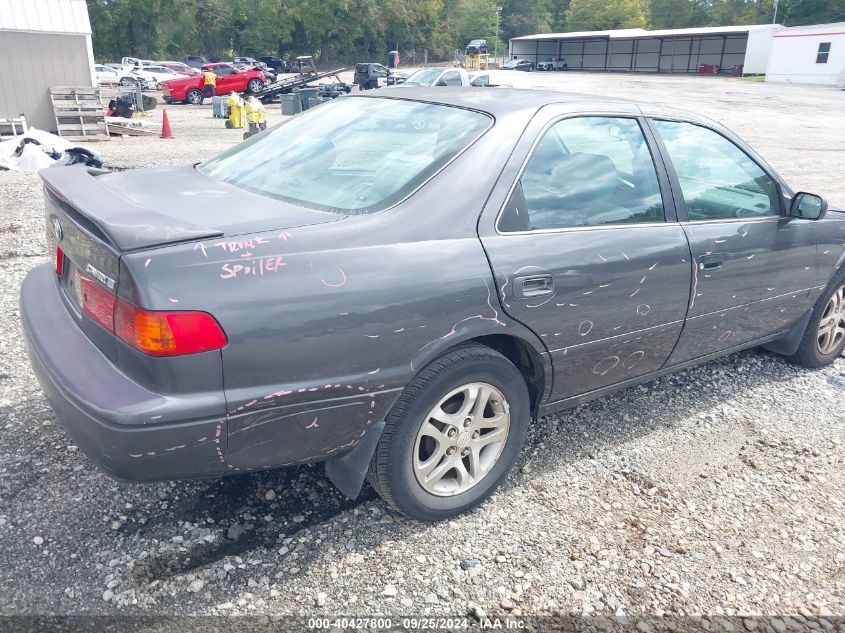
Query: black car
[[476, 47], [276, 63], [374, 75], [519, 64], [380, 304]]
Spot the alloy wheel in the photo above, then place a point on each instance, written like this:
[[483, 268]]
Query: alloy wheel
[[831, 330], [461, 439]]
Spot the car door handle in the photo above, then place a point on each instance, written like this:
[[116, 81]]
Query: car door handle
[[533, 286], [711, 262]]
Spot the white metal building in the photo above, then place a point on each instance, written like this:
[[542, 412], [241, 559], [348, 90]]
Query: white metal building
[[808, 54], [43, 43], [670, 50]]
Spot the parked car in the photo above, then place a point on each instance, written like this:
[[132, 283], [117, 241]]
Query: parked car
[[194, 61], [154, 75], [477, 46], [134, 62], [181, 68], [296, 299], [229, 79], [107, 74], [269, 75], [438, 76], [248, 61], [373, 75], [553, 63], [519, 64], [276, 63]]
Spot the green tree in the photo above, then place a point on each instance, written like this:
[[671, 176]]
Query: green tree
[[675, 14], [595, 15], [523, 17], [798, 12]]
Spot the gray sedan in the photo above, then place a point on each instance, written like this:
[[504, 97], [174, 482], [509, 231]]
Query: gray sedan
[[396, 284]]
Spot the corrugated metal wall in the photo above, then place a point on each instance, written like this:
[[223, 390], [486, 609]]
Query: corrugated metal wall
[[56, 16], [31, 63]]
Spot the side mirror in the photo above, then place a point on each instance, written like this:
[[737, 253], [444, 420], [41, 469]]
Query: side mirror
[[441, 83], [808, 206]]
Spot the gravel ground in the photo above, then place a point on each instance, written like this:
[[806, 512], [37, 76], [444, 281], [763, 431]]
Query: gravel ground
[[717, 492]]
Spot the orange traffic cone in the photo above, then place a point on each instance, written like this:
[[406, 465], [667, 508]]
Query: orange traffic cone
[[165, 125]]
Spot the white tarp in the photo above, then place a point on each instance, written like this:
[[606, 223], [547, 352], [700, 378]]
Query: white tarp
[[18, 155]]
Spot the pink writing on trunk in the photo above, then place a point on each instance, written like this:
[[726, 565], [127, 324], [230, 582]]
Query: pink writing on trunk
[[257, 267]]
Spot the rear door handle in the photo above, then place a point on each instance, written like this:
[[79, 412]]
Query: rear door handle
[[533, 286], [711, 262]]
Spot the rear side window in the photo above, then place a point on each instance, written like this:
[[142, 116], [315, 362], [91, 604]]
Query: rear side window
[[718, 180], [351, 155], [586, 171]]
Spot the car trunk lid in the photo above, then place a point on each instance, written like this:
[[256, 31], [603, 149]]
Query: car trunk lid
[[93, 217]]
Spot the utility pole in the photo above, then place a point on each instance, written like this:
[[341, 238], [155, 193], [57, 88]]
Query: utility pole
[[775, 16], [496, 41]]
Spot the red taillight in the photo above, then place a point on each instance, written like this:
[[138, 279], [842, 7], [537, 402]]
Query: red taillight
[[167, 333], [96, 302], [152, 332], [60, 261]]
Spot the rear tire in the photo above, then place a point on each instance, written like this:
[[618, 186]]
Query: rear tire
[[824, 338], [433, 468], [194, 97]]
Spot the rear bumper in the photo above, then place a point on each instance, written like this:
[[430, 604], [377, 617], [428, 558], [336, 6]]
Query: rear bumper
[[93, 400]]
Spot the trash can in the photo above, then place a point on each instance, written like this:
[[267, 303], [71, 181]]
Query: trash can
[[393, 59], [306, 94], [219, 107], [291, 104], [315, 101], [736, 70]]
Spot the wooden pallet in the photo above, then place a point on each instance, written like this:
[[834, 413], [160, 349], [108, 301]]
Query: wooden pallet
[[125, 130], [79, 113], [12, 127]]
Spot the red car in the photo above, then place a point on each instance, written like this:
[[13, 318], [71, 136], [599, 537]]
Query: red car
[[229, 79]]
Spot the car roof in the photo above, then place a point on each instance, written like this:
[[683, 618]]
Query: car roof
[[501, 102]]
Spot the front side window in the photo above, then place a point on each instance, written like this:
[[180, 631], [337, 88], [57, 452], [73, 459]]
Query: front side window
[[451, 79], [718, 180], [824, 53], [586, 171], [351, 155]]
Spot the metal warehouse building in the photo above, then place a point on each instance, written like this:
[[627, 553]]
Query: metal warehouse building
[[809, 55], [43, 43], [671, 51]]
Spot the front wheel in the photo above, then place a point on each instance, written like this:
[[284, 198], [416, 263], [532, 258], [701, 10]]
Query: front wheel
[[824, 338], [453, 435], [255, 85]]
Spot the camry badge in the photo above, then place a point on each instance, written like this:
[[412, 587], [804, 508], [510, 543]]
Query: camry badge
[[57, 228]]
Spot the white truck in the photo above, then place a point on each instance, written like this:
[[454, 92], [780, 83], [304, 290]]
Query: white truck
[[438, 76]]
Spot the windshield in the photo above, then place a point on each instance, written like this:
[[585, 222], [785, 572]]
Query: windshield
[[351, 155], [424, 77]]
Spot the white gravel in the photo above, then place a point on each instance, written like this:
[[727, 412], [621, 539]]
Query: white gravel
[[717, 492]]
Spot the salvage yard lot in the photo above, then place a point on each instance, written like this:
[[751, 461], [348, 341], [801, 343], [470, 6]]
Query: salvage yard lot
[[716, 491]]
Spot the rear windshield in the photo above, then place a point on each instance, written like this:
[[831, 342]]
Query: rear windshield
[[351, 155]]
